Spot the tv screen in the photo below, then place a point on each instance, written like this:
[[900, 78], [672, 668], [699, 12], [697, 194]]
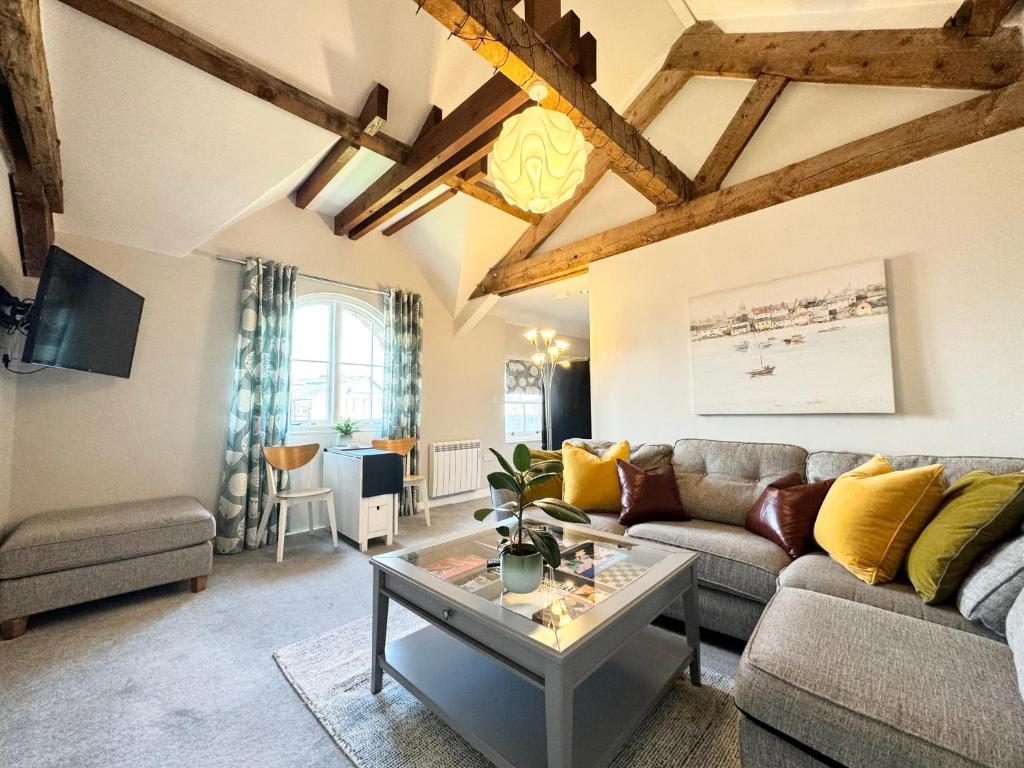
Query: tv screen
[[82, 319]]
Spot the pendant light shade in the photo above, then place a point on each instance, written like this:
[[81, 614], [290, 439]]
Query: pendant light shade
[[538, 160]]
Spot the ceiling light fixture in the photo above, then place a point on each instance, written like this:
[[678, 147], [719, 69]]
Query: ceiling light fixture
[[540, 157]]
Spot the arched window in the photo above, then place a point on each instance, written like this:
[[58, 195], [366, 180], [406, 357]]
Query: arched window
[[337, 366]]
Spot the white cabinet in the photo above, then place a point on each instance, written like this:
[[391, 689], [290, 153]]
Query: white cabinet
[[360, 518]]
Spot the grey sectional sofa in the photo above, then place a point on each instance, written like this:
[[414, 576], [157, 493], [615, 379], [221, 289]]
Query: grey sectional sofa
[[836, 672]]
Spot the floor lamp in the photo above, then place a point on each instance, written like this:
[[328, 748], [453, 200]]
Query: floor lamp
[[548, 350]]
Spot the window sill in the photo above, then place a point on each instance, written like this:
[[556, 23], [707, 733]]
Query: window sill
[[523, 437]]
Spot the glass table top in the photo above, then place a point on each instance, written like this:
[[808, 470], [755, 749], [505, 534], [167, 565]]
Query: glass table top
[[595, 567]]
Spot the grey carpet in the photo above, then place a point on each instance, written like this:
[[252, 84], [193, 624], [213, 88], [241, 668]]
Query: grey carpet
[[167, 678], [691, 727]]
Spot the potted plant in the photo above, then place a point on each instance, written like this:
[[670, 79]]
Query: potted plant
[[524, 550], [346, 428]]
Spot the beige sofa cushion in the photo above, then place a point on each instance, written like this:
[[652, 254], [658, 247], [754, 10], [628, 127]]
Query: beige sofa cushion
[[824, 465], [732, 559], [868, 687], [720, 480]]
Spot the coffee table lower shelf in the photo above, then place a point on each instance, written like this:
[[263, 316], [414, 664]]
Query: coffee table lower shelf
[[502, 715]]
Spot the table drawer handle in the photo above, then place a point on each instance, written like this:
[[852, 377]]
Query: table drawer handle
[[446, 614]]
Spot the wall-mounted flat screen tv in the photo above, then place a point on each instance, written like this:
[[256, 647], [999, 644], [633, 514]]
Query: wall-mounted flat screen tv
[[82, 319]]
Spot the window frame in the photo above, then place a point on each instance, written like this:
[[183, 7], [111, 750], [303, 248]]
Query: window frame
[[337, 304]]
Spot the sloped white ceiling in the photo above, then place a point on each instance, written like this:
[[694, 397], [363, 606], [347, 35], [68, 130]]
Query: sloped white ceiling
[[161, 156]]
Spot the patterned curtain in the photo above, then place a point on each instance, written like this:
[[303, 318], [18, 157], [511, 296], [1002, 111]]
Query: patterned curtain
[[259, 403], [403, 378], [523, 376]]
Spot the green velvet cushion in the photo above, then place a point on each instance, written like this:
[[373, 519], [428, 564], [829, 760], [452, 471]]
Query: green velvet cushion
[[976, 513], [550, 489]]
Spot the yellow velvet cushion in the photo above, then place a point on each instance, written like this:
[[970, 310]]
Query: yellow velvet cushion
[[551, 488], [873, 514], [592, 483]]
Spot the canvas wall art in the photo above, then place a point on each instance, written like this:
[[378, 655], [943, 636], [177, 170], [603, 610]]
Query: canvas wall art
[[813, 343]]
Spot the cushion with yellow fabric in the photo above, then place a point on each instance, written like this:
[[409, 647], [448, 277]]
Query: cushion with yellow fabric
[[977, 512], [549, 489], [592, 483], [873, 514]]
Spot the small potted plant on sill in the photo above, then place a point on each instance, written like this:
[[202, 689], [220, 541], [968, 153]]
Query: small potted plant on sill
[[346, 429], [524, 550]]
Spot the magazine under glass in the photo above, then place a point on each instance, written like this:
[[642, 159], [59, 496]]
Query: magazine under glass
[[593, 569]]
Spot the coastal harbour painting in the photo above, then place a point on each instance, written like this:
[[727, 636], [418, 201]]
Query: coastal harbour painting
[[812, 343]]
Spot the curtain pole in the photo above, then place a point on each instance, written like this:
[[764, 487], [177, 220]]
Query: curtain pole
[[316, 279]]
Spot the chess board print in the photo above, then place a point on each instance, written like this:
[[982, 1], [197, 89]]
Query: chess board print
[[619, 575]]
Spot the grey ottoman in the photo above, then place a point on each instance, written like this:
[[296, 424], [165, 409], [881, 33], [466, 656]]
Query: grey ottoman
[[54, 559]]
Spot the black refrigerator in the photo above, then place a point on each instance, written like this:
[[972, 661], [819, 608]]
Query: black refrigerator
[[570, 404]]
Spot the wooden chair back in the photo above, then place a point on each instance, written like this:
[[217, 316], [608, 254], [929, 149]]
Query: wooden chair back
[[402, 446], [290, 456]]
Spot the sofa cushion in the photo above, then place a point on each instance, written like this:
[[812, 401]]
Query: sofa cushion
[[990, 589], [822, 465], [977, 512], [720, 480], [591, 482], [732, 558], [643, 455], [818, 572], [1015, 638], [868, 687], [57, 541], [648, 495], [873, 514], [786, 511]]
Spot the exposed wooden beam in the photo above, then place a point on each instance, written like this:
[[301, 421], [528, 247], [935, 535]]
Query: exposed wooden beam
[[542, 14], [434, 116], [420, 212], [371, 120], [934, 58], [32, 217], [652, 100], [748, 118], [485, 109], [520, 53], [492, 197], [23, 67], [157, 31], [980, 17], [979, 118]]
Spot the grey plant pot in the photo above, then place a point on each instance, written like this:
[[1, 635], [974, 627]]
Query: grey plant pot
[[522, 574]]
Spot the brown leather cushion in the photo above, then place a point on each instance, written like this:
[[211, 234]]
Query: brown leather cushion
[[786, 511], [648, 496]]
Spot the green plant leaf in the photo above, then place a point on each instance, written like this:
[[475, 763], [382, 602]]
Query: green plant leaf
[[542, 478], [521, 457], [481, 514], [502, 480], [547, 546], [503, 531], [503, 462], [563, 511]]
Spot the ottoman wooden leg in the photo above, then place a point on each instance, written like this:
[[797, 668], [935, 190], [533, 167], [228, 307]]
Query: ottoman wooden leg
[[12, 628], [197, 583]]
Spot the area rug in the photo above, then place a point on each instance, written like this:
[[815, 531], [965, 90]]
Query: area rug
[[691, 727]]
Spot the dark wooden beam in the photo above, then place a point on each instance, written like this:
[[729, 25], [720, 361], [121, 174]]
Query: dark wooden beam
[[420, 212], [371, 120], [471, 183], [175, 41], [979, 118], [496, 100], [434, 116], [933, 58], [542, 14], [652, 100], [32, 217], [741, 129], [522, 55], [980, 18], [23, 67]]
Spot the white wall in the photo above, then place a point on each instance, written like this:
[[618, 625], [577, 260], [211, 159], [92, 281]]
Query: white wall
[[11, 279], [89, 439], [952, 230]]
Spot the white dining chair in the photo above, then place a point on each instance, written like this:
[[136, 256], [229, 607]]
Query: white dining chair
[[287, 457]]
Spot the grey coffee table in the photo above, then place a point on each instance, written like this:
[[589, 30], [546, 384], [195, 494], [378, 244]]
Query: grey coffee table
[[560, 677]]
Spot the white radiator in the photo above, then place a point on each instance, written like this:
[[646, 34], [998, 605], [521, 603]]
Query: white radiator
[[454, 467]]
